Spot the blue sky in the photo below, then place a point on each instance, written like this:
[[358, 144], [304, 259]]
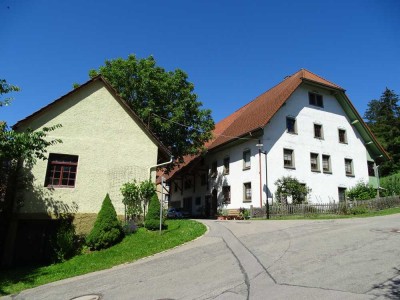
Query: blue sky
[[232, 50]]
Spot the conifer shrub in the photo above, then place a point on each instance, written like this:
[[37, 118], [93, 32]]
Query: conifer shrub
[[107, 230], [152, 221]]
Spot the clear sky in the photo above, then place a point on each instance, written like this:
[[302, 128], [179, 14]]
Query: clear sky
[[232, 50]]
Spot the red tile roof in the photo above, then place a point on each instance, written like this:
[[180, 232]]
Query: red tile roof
[[248, 118]]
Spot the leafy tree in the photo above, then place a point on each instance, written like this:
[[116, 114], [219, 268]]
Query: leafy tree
[[153, 215], [15, 147], [288, 186], [391, 185], [383, 117], [361, 191], [137, 195], [163, 100], [107, 230]]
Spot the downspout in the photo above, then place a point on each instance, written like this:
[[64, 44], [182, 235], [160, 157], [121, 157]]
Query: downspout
[[160, 165]]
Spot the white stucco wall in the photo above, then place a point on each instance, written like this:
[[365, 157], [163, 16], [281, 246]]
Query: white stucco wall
[[111, 146], [332, 117], [324, 186]]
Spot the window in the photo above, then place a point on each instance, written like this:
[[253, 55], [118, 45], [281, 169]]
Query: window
[[61, 170], [197, 201], [288, 161], [214, 169], [246, 159], [226, 165], [203, 179], [342, 136], [371, 168], [247, 192], [342, 194], [188, 184], [326, 164], [318, 134], [226, 190], [291, 125], [348, 165], [315, 99], [314, 159]]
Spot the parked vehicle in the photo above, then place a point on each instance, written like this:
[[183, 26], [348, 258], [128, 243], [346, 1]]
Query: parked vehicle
[[174, 213]]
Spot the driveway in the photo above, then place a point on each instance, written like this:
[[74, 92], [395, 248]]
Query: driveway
[[323, 259]]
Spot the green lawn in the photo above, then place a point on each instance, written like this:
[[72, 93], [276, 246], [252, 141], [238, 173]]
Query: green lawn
[[140, 244], [383, 212]]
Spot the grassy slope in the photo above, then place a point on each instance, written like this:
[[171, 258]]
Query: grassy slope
[[141, 244]]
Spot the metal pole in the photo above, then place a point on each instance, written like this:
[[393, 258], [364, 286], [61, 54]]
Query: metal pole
[[377, 175], [259, 167], [162, 201], [266, 184]]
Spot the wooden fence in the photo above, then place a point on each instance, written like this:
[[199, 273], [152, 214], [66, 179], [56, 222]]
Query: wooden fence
[[326, 208]]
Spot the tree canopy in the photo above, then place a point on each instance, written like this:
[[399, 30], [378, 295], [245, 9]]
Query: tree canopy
[[383, 117], [164, 100]]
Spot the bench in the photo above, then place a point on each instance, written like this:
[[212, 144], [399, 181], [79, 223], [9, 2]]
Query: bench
[[234, 214]]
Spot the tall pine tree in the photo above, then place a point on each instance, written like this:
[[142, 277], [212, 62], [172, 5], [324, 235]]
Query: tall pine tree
[[383, 117]]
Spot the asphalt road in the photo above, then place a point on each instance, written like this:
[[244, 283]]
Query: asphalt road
[[324, 259]]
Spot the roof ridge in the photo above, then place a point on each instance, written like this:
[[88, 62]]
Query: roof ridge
[[303, 76]]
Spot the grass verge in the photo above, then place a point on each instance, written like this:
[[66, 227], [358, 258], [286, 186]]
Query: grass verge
[[383, 212], [133, 247]]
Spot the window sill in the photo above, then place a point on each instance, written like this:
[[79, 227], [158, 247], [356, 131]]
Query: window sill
[[319, 138], [343, 143], [327, 172], [350, 175], [226, 173], [60, 187], [247, 201], [292, 133], [316, 171], [247, 168], [288, 167]]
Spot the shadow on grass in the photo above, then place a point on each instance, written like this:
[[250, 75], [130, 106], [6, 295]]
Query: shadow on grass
[[20, 275], [391, 288]]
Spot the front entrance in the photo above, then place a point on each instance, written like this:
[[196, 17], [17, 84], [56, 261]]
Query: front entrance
[[214, 203]]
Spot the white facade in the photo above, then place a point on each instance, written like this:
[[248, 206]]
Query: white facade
[[275, 138]]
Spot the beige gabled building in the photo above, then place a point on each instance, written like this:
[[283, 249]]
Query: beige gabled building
[[104, 144]]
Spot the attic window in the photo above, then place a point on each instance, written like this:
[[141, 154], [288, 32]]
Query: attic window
[[315, 99], [61, 170]]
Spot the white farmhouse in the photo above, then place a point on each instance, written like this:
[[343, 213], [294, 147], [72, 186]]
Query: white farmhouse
[[305, 127]]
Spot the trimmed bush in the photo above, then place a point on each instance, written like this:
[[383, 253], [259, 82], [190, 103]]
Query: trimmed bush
[[152, 221], [361, 191], [107, 230]]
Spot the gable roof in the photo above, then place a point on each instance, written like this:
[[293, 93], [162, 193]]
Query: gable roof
[[248, 118], [117, 97]]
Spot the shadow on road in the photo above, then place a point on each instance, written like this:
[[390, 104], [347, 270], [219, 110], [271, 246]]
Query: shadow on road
[[391, 288]]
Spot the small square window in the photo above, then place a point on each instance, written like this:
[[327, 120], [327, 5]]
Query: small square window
[[371, 168], [342, 136], [348, 164], [247, 192], [246, 159], [226, 190], [326, 164], [198, 201], [214, 169], [291, 125], [288, 158], [318, 134], [203, 179], [226, 165], [315, 99], [314, 159], [61, 170], [188, 184]]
